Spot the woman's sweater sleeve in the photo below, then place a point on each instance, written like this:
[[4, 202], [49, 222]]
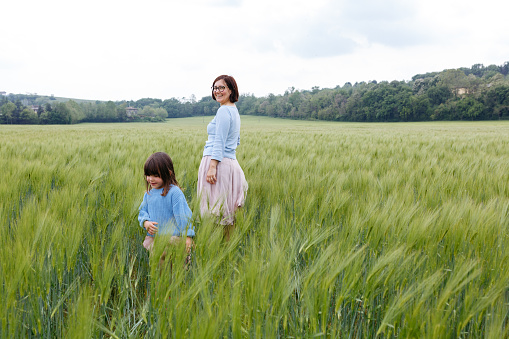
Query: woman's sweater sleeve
[[223, 122], [182, 214]]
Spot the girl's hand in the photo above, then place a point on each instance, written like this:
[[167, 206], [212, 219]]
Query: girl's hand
[[150, 226]]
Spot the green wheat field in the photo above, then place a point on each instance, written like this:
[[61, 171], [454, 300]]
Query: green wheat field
[[349, 231]]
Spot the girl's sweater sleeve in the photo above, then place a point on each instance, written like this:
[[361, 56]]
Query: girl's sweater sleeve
[[143, 211], [223, 122], [182, 214]]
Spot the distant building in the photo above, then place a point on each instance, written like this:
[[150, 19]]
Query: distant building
[[3, 93], [461, 91], [35, 108], [131, 111]]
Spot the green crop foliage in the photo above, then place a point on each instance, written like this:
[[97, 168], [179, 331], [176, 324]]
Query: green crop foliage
[[349, 231]]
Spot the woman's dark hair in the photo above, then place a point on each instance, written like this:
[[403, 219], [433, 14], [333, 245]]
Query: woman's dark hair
[[232, 86], [160, 165]]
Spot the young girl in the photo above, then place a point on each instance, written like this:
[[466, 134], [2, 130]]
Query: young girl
[[164, 209]]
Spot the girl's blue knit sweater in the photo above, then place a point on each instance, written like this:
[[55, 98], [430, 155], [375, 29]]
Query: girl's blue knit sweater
[[171, 212]]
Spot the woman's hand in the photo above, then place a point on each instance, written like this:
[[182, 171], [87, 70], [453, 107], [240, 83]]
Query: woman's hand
[[150, 226], [211, 173]]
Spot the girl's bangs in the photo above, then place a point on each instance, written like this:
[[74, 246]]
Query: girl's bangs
[[151, 168]]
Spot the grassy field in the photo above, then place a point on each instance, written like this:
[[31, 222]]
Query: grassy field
[[349, 231]]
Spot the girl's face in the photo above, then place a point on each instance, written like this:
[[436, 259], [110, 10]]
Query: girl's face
[[222, 95], [154, 181]]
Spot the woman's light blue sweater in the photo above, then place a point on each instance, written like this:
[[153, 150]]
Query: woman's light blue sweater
[[224, 134], [171, 212]]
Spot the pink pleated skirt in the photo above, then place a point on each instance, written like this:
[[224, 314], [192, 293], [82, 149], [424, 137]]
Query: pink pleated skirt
[[228, 193]]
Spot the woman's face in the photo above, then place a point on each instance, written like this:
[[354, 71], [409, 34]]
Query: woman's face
[[223, 97]]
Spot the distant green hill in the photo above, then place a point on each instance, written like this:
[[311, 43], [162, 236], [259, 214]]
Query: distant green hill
[[476, 93]]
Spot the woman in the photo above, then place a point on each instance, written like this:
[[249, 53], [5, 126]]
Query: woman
[[222, 185]]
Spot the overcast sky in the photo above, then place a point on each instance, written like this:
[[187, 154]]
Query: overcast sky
[[127, 50]]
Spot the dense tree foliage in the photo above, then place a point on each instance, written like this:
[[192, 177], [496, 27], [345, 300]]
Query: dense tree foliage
[[476, 93]]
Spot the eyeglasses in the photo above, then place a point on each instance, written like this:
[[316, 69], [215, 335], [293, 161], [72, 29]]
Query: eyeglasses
[[218, 88]]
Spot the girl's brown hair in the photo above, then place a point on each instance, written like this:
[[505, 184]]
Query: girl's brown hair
[[159, 164]]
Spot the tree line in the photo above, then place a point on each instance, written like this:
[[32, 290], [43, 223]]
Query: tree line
[[14, 111], [475, 93]]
